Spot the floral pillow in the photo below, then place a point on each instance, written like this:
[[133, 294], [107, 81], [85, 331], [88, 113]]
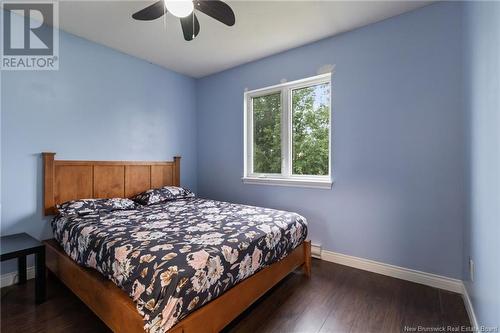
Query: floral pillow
[[95, 206], [166, 193]]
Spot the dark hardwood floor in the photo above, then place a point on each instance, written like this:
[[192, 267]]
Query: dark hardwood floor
[[336, 299]]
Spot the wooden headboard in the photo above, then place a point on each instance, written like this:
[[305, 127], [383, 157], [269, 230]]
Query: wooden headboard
[[70, 180]]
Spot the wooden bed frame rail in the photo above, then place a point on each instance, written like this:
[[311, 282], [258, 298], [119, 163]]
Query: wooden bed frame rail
[[117, 310]]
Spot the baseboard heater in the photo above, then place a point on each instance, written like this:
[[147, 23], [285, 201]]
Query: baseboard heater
[[316, 251]]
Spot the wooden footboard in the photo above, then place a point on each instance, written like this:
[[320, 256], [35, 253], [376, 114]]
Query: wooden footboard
[[118, 311], [101, 295]]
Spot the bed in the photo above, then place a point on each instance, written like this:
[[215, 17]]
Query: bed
[[146, 269]]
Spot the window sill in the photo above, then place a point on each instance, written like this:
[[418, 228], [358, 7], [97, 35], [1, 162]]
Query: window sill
[[291, 182]]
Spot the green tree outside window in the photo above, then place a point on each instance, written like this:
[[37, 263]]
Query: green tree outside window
[[310, 130]]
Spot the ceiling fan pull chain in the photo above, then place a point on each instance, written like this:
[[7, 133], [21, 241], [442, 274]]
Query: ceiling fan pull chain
[[165, 18]]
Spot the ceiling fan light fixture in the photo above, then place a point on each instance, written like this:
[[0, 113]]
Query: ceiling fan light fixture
[[184, 9], [179, 8]]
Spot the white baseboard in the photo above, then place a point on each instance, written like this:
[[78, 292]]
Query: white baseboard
[[433, 280], [11, 278], [470, 310]]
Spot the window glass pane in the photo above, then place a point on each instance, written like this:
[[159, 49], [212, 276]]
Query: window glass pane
[[310, 129], [267, 133]]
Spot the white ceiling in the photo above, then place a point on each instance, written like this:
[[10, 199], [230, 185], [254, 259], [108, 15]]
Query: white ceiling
[[262, 28]]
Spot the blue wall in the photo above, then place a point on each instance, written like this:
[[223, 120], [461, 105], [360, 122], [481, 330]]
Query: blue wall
[[482, 65], [100, 104], [398, 140]]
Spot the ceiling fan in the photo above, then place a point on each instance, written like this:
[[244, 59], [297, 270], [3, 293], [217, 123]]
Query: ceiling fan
[[185, 10]]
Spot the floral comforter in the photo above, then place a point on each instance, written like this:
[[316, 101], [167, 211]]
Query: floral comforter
[[174, 257]]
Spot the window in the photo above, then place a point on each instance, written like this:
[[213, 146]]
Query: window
[[287, 134]]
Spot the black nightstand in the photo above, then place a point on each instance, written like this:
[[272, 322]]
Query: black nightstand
[[19, 246]]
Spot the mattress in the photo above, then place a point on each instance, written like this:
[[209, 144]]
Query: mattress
[[174, 257]]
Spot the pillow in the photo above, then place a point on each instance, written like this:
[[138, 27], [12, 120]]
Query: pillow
[[94, 206], [165, 193]]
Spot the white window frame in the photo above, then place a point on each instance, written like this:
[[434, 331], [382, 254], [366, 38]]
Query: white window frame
[[286, 178]]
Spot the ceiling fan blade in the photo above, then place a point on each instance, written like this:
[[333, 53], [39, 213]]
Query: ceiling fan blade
[[152, 12], [187, 26], [216, 9]]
